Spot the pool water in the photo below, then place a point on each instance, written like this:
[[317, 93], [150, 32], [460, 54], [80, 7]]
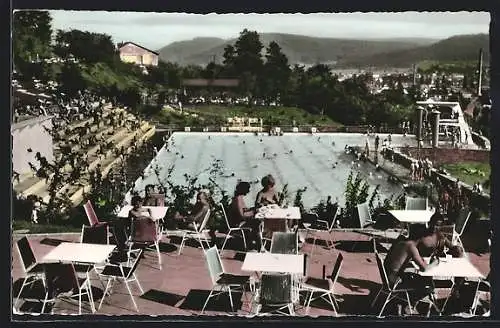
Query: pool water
[[318, 162]]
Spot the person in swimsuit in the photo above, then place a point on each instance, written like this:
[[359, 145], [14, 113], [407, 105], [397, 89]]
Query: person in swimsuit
[[196, 216], [138, 211], [241, 216], [267, 195]]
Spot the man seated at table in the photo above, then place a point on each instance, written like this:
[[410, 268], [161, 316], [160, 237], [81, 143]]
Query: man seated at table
[[196, 216], [429, 242], [240, 215]]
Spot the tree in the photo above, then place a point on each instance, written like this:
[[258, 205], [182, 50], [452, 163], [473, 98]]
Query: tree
[[276, 72], [71, 79], [212, 71], [248, 62], [85, 46], [31, 36], [229, 55]]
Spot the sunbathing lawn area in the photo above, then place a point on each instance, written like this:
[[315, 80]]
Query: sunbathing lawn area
[[470, 172]]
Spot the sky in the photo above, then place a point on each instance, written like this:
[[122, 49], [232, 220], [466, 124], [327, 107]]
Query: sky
[[155, 30]]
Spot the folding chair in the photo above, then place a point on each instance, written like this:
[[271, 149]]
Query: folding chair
[[268, 227], [415, 203], [323, 228], [122, 273], [459, 227], [60, 279], [285, 243], [123, 244], [231, 230], [197, 233], [221, 281], [324, 286], [91, 215], [145, 232], [33, 271], [366, 225], [391, 291], [275, 294], [483, 287], [97, 234]]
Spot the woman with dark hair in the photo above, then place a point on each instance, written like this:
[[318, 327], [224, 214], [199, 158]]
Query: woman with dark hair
[[240, 215], [149, 198], [267, 195]]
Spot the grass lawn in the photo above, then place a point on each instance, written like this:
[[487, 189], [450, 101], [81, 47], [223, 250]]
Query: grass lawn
[[271, 115], [43, 228], [470, 172]]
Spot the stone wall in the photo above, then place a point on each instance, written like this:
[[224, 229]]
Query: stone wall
[[440, 156]]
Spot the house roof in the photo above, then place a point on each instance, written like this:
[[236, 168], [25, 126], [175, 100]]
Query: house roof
[[212, 83], [138, 45]]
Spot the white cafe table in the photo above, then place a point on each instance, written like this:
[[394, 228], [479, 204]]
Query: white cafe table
[[449, 268], [409, 217], [278, 263], [157, 212], [452, 267], [413, 216], [79, 253], [275, 212]]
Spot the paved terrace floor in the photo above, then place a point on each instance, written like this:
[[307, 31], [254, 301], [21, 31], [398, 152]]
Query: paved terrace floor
[[183, 284]]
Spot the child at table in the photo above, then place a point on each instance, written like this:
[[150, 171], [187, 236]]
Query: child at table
[[137, 211]]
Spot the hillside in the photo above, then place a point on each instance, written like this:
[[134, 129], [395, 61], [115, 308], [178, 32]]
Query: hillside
[[457, 48], [298, 48]]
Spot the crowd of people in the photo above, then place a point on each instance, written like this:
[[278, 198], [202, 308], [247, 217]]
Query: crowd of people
[[420, 169]]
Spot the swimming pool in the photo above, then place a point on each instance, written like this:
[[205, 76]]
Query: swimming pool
[[318, 162]]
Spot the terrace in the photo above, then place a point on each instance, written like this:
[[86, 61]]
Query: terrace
[[183, 284]]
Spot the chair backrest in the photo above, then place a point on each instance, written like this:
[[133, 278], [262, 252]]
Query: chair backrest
[[284, 243], [364, 214], [60, 278], [26, 253], [375, 249], [462, 219], [214, 263], [225, 215], [201, 227], [143, 230], [336, 268], [275, 289], [270, 226], [135, 265], [120, 236], [413, 203], [95, 235], [383, 274], [89, 210], [334, 218]]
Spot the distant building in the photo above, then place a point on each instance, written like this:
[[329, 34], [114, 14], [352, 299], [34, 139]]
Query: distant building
[[220, 83], [133, 53]]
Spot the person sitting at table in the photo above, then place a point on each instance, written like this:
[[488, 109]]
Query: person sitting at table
[[240, 215], [149, 198], [267, 195], [138, 211], [196, 216]]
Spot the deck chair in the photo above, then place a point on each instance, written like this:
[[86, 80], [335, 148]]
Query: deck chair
[[285, 243], [91, 215], [240, 229], [275, 295], [392, 292], [60, 279], [122, 273], [198, 233], [221, 281], [145, 232], [33, 271], [414, 203], [324, 286], [323, 228]]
